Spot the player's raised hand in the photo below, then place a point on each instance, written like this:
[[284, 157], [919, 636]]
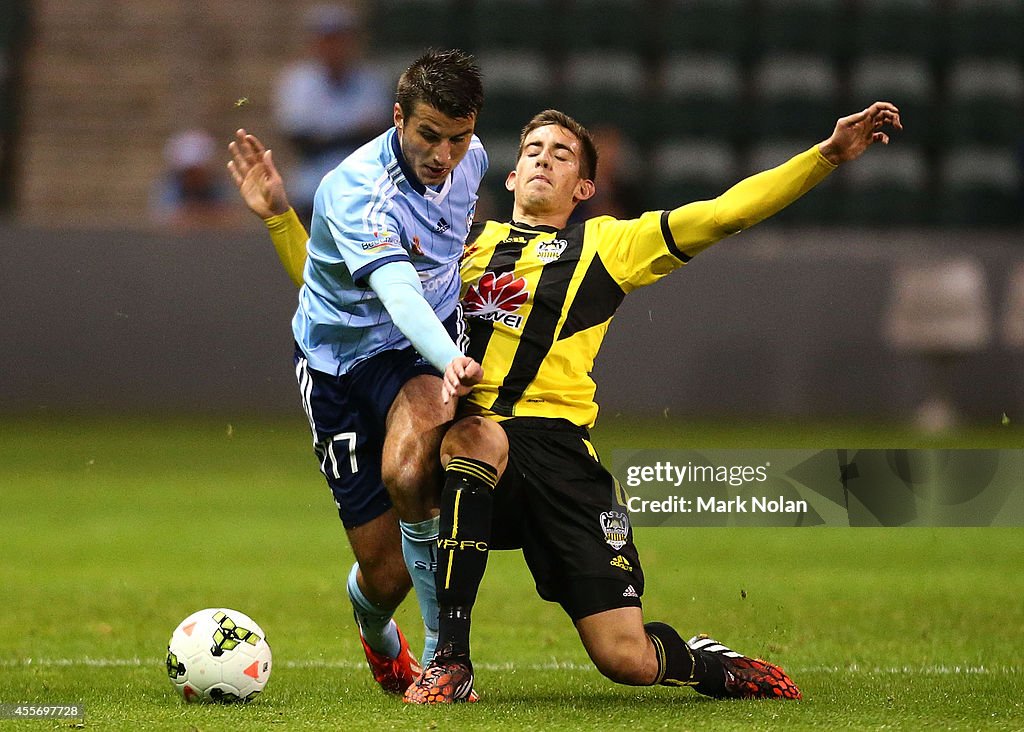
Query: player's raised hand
[[461, 375], [856, 133], [252, 169]]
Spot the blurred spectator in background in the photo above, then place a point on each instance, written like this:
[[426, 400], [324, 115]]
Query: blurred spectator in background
[[617, 181], [193, 191], [330, 103]]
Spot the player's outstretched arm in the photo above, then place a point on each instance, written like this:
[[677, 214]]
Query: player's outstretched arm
[[262, 188], [698, 225]]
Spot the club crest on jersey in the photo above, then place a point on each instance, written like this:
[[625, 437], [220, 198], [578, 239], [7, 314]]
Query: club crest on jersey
[[549, 251], [615, 526], [497, 298]]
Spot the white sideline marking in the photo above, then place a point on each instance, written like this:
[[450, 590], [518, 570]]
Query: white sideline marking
[[943, 670]]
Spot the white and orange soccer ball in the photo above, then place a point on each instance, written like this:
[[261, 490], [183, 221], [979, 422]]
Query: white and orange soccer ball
[[218, 655]]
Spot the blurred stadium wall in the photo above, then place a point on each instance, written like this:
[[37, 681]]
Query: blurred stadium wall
[[102, 310], [778, 321]]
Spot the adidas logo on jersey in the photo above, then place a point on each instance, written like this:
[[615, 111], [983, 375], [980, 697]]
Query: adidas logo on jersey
[[630, 592], [442, 226]]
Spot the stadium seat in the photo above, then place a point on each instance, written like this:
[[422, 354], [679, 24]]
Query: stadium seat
[[980, 187], [793, 96], [501, 25], [887, 188], [414, 24], [991, 28], [698, 95], [606, 88], [712, 26], [518, 86], [907, 81], [686, 170], [605, 25], [938, 309], [985, 102], [907, 27], [820, 207], [800, 26]]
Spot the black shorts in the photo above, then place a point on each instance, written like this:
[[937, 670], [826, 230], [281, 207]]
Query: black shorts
[[567, 513]]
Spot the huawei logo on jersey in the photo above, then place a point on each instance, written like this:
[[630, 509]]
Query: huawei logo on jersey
[[497, 298]]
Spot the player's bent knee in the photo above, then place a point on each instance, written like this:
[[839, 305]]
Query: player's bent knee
[[476, 437], [410, 466], [407, 476]]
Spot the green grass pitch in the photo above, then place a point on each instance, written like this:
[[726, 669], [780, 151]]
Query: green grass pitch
[[113, 530]]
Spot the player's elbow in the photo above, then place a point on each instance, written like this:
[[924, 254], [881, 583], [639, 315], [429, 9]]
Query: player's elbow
[[731, 220]]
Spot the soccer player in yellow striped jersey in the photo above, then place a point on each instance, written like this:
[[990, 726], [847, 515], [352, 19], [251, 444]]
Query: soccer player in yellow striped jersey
[[520, 470]]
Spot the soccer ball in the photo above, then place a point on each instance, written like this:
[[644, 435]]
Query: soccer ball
[[218, 655]]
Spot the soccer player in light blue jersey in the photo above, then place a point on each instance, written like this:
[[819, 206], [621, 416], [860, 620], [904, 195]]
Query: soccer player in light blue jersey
[[377, 323]]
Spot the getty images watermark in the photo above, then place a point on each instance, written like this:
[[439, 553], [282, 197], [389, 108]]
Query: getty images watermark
[[689, 474], [821, 487]]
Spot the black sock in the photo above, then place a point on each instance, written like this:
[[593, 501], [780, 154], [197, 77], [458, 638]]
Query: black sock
[[465, 531], [680, 666]]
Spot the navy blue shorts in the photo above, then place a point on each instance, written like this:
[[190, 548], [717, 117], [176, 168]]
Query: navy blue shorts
[[348, 417]]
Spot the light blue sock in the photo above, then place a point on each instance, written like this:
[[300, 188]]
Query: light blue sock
[[378, 628], [419, 547]]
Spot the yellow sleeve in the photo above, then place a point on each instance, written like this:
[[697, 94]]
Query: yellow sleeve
[[290, 238], [696, 226], [635, 252], [641, 251]]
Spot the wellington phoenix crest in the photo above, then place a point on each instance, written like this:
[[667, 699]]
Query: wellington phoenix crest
[[497, 298], [615, 525]]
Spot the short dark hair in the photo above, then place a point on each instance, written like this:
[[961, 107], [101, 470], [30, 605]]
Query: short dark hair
[[588, 167], [449, 81]]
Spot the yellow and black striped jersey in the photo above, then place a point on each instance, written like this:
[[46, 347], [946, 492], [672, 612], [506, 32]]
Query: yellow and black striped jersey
[[538, 301]]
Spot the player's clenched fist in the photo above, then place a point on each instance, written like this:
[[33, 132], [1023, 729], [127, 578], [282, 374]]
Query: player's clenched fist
[[461, 375]]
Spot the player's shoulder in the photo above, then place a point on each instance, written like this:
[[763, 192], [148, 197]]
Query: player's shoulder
[[367, 162], [363, 175], [488, 229], [477, 155], [607, 225]]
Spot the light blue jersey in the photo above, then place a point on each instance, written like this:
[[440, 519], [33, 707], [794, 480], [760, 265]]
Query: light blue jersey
[[369, 211]]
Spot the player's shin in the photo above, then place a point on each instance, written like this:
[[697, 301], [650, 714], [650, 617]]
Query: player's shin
[[466, 505], [375, 623], [419, 548]]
